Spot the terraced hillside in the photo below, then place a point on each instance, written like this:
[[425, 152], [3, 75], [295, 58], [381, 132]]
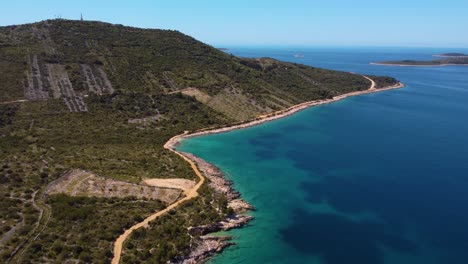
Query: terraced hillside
[[71, 59], [91, 96]]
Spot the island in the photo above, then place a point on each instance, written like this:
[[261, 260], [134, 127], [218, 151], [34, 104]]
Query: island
[[452, 54], [447, 59], [90, 114]]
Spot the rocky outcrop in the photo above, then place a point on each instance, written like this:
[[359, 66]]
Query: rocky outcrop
[[216, 179], [233, 221], [239, 205], [206, 247], [209, 245]]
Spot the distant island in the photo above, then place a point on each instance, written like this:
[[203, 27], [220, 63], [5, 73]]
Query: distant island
[[451, 55], [448, 59], [223, 49]]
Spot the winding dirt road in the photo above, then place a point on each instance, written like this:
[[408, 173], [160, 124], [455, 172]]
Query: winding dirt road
[[189, 194], [372, 87]]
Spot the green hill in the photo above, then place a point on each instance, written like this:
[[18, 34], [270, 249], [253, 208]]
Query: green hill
[[152, 62], [105, 98]]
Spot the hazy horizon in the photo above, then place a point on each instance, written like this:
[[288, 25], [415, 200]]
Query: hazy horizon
[[367, 23]]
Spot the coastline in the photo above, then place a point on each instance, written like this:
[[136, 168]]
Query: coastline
[[173, 142], [209, 245], [212, 245], [417, 65]]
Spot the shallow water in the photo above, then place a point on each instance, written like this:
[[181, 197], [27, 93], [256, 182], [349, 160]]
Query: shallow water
[[378, 178]]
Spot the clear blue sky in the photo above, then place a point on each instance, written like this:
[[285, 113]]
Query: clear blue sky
[[433, 23]]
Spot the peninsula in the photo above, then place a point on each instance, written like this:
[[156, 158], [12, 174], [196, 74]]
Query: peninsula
[[89, 113]]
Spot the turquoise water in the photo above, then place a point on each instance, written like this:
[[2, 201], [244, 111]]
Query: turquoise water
[[379, 178]]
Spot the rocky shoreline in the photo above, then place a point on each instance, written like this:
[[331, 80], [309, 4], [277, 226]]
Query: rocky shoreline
[[209, 245]]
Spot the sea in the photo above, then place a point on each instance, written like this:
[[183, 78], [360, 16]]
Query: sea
[[374, 179]]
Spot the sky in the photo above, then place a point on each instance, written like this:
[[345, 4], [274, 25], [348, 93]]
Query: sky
[[430, 23]]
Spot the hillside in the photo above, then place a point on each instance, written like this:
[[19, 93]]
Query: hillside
[[91, 101], [70, 59]]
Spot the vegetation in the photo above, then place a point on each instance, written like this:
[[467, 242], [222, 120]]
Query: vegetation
[[155, 62], [84, 229], [383, 81], [18, 218], [6, 114], [105, 98]]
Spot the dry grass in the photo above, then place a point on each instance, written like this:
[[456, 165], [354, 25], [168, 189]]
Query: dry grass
[[235, 105], [82, 183], [197, 94]]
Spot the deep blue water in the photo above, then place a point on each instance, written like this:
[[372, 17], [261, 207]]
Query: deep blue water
[[379, 178]]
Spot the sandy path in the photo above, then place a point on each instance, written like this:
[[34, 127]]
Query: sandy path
[[13, 102], [182, 184], [182, 90], [192, 193]]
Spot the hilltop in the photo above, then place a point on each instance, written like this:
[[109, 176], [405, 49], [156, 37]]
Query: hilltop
[[85, 111]]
